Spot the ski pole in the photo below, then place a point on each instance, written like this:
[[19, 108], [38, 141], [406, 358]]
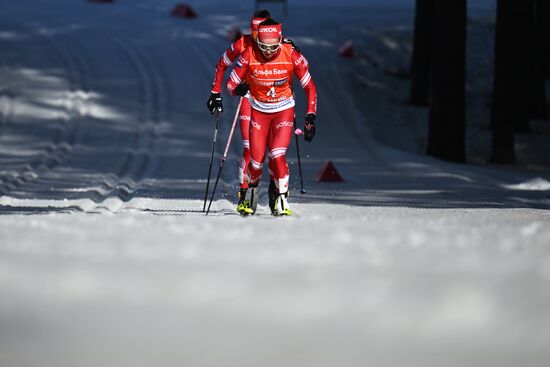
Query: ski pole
[[218, 115], [225, 154], [296, 133]]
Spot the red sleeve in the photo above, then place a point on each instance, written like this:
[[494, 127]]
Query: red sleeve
[[225, 60], [238, 74], [301, 69]]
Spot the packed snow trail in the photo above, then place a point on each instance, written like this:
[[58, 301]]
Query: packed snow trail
[[410, 261], [109, 102]]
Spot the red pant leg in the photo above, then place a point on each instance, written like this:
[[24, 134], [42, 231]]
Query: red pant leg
[[279, 139], [260, 123], [273, 130], [244, 122]]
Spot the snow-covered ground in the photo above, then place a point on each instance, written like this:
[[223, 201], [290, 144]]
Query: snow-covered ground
[[107, 259]]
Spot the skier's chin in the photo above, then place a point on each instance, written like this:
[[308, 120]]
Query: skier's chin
[[269, 56]]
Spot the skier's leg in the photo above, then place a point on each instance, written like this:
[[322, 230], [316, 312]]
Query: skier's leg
[[243, 205], [280, 139], [259, 130], [244, 119], [272, 191], [281, 127]]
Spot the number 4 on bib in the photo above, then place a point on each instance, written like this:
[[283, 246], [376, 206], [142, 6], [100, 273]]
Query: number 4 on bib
[[271, 93]]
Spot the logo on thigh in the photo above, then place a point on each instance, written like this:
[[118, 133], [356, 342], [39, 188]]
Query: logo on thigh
[[255, 125], [284, 124]]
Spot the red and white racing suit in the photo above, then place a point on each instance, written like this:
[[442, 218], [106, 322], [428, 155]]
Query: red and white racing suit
[[228, 57], [272, 101]]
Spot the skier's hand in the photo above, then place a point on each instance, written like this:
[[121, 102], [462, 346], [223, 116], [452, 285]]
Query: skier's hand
[[309, 127], [242, 89], [214, 103], [291, 42]]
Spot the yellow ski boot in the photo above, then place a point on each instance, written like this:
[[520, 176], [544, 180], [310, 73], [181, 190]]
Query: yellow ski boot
[[243, 206]]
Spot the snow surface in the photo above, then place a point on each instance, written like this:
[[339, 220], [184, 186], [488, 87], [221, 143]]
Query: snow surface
[[107, 260]]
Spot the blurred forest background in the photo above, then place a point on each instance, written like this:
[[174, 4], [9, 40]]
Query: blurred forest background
[[517, 103]]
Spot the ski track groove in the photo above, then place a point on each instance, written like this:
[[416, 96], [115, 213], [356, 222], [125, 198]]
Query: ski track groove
[[140, 161], [65, 136], [7, 96], [206, 54], [143, 159]]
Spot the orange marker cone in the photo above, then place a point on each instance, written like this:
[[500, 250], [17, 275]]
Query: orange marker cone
[[347, 50], [183, 11], [328, 173]]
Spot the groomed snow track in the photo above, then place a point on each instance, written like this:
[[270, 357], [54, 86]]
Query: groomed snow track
[[104, 133]]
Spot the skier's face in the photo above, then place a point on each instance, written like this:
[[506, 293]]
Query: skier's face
[[269, 46]]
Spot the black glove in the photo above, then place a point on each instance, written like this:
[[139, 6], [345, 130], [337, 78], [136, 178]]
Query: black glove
[[309, 127], [214, 103], [242, 89], [289, 41]]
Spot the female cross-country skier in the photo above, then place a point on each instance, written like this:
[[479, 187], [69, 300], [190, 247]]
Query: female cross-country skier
[[214, 103], [266, 73]]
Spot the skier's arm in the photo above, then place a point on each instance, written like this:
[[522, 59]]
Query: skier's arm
[[228, 57], [301, 69], [236, 84]]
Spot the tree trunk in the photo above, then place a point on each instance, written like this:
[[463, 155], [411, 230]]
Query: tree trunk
[[503, 109], [521, 42], [536, 71], [420, 63], [545, 17], [447, 128]]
